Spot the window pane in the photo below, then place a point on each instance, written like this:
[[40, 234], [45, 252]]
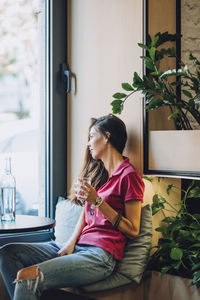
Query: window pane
[[22, 104]]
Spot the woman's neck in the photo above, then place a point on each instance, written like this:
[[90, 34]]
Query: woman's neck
[[112, 160]]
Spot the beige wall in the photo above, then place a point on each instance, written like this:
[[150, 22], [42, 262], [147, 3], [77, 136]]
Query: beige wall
[[159, 186], [103, 37], [104, 52]]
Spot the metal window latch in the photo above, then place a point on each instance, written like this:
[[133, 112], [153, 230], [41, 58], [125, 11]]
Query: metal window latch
[[65, 77]]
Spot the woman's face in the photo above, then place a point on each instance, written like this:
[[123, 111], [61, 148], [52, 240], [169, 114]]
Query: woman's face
[[97, 143]]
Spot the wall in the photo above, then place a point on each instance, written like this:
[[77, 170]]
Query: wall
[[190, 27], [103, 53], [190, 20], [159, 186]]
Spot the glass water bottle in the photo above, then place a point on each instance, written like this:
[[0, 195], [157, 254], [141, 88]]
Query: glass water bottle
[[8, 193]]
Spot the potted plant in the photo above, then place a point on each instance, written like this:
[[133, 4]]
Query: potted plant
[[178, 250], [162, 87], [179, 91]]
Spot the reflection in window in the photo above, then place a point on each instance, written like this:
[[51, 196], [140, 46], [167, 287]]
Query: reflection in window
[[21, 107]]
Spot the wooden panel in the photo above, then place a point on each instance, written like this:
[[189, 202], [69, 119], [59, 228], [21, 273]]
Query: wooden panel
[[162, 18]]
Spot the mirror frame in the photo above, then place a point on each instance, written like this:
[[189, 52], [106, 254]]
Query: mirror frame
[[146, 169]]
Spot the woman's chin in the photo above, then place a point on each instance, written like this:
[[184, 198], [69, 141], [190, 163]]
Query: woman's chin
[[94, 156]]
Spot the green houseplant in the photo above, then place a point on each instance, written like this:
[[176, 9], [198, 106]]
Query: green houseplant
[[162, 87], [178, 250]]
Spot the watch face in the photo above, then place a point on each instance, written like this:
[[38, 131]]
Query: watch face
[[98, 201]]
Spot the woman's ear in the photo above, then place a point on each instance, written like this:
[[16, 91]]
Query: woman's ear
[[107, 135]]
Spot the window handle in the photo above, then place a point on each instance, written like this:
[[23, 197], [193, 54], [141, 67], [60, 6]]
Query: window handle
[[65, 77], [68, 75]]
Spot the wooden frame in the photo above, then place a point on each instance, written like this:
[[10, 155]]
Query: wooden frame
[[161, 16]]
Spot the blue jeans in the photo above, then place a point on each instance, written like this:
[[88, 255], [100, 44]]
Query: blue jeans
[[87, 264]]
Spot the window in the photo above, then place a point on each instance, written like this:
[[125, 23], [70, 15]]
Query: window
[[33, 110], [21, 109]]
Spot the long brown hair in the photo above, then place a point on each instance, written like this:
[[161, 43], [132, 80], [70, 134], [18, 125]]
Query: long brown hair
[[94, 169]]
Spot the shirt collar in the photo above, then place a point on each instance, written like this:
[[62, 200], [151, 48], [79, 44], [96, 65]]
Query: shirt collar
[[124, 164]]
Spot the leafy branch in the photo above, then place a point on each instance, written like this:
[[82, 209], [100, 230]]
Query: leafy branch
[[178, 250], [161, 88]]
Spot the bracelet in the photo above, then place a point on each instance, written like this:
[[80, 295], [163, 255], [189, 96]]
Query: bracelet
[[116, 224], [98, 202]]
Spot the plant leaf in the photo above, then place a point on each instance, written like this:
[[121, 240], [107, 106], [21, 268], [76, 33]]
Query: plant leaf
[[148, 62], [157, 73], [171, 73], [149, 178], [152, 52], [184, 233], [155, 103], [197, 245], [154, 41], [119, 95], [168, 219], [161, 229], [186, 93], [117, 106], [195, 267], [170, 186], [157, 209], [143, 46], [174, 115], [136, 78], [195, 192], [176, 253], [196, 278], [165, 269], [197, 99], [126, 86], [195, 60], [157, 204]]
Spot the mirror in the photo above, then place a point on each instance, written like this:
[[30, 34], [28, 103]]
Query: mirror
[[169, 151]]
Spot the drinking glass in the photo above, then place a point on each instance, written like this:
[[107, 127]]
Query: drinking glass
[[80, 181]]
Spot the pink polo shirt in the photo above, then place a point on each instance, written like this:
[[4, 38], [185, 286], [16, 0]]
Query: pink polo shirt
[[123, 185]]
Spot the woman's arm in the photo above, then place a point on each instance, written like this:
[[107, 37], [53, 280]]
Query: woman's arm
[[130, 224], [68, 248]]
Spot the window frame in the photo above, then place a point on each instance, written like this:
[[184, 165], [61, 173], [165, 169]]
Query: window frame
[[56, 118]]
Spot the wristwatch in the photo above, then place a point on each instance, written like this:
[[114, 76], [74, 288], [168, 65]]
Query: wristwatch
[[98, 202]]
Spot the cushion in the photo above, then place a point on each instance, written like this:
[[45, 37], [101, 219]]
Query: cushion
[[137, 250], [133, 264], [67, 215]]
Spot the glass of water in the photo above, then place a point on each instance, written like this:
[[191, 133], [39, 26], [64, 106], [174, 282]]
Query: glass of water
[[80, 181]]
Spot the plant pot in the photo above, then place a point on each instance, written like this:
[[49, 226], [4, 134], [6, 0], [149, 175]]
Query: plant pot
[[174, 150]]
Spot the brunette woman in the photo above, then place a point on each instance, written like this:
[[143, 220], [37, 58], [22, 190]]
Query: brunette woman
[[111, 214]]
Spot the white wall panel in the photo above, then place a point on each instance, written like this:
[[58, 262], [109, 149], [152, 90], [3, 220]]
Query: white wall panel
[[103, 53]]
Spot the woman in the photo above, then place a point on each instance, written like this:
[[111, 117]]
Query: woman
[[111, 213]]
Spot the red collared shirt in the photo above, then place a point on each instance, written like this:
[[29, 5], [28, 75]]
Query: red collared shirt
[[123, 185]]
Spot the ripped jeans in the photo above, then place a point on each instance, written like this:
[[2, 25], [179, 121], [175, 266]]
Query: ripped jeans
[[86, 265]]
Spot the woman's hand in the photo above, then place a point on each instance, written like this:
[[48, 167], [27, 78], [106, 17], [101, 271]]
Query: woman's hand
[[68, 248], [86, 192]]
